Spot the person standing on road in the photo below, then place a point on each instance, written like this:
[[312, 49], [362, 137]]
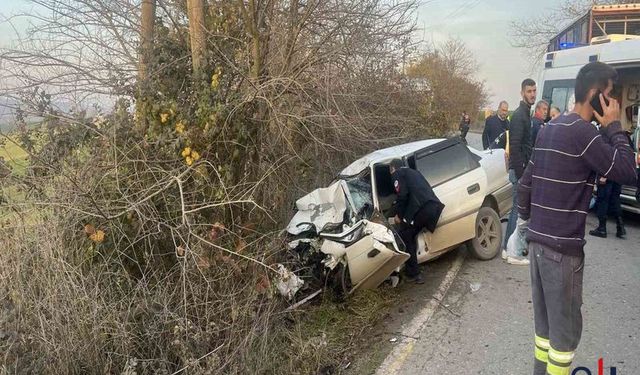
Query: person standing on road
[[417, 207], [519, 153], [554, 195], [538, 120], [465, 124], [608, 202], [495, 125]]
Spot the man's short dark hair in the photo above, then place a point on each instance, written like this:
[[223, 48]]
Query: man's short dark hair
[[396, 164], [527, 82], [594, 75]]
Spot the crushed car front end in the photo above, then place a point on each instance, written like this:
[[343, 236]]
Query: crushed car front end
[[340, 241]]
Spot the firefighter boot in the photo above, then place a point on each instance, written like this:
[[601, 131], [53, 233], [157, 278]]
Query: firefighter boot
[[620, 231], [601, 230]]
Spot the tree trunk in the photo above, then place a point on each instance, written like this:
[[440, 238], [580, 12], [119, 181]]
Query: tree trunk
[[147, 23], [197, 33]]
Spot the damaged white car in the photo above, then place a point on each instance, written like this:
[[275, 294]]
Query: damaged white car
[[341, 234]]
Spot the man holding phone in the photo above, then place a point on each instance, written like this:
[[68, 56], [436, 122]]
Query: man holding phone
[[554, 195]]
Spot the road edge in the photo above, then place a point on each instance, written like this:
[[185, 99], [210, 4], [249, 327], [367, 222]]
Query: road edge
[[411, 332]]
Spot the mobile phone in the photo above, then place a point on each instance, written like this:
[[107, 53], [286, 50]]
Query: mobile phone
[[595, 103]]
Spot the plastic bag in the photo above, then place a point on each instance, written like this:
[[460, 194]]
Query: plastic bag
[[517, 244]]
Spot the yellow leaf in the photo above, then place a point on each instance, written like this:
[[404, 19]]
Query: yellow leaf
[[186, 152], [164, 117], [189, 160], [195, 156], [97, 237], [180, 127], [215, 81]]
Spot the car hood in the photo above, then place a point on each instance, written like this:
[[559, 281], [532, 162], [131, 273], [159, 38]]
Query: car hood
[[318, 209]]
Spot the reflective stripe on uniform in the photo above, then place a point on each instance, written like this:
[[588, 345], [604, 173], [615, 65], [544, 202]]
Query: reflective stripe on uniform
[[559, 363], [561, 357], [542, 343], [553, 369], [542, 349], [542, 355]]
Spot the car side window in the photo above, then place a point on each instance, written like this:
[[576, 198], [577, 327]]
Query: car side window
[[446, 164]]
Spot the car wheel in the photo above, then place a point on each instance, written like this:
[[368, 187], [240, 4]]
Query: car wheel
[[341, 281], [486, 244]]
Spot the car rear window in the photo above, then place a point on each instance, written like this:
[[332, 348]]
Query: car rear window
[[446, 164]]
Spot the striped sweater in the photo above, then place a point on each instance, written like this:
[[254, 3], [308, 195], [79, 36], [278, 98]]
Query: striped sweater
[[557, 185]]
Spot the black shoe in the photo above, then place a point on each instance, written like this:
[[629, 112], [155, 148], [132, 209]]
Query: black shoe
[[599, 232], [620, 231], [415, 279]]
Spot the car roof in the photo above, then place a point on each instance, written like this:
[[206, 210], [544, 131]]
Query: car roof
[[387, 154]]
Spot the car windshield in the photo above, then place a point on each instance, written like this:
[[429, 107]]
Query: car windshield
[[361, 192]]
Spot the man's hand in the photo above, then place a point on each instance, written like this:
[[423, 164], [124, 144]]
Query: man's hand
[[611, 111], [397, 220]]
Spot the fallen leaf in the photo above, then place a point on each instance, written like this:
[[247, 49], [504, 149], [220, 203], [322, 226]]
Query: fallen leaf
[[240, 246], [263, 284], [89, 229], [216, 231], [180, 251], [203, 263]]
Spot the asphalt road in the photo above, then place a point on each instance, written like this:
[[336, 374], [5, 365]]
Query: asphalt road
[[484, 322]]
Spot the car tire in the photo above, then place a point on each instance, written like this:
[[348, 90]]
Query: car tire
[[341, 282], [488, 240]]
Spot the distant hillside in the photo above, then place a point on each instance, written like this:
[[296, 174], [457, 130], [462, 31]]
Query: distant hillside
[[5, 126], [6, 114]]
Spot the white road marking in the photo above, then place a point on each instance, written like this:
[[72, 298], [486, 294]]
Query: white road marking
[[411, 332]]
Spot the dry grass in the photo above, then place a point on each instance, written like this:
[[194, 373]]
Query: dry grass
[[14, 155], [62, 315]]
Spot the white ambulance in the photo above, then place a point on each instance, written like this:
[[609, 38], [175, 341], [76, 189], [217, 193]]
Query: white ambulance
[[557, 83]]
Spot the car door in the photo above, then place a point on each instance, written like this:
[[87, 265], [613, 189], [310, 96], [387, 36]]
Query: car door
[[460, 183]]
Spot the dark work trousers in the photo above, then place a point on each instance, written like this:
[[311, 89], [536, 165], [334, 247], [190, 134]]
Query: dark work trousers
[[556, 283], [608, 200], [408, 233], [463, 133]]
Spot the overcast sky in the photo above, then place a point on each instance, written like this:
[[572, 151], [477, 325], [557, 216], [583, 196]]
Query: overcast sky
[[482, 24]]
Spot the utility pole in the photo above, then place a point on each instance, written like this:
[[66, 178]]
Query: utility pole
[[147, 28], [197, 32]]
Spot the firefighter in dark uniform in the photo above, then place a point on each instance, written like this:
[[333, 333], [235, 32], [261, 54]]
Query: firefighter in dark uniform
[[416, 208]]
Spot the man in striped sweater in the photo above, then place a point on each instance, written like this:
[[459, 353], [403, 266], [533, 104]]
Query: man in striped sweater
[[554, 195]]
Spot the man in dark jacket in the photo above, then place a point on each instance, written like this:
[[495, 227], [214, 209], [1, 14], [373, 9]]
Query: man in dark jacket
[[465, 124], [519, 154], [495, 125], [539, 117], [415, 209]]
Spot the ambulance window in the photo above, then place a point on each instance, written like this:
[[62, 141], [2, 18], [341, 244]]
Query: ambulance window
[[571, 102], [559, 97]]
